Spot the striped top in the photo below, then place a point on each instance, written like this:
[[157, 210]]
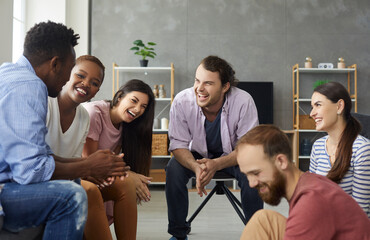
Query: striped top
[[356, 182]]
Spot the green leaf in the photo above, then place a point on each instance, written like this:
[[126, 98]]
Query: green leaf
[[152, 43], [138, 42], [135, 48]]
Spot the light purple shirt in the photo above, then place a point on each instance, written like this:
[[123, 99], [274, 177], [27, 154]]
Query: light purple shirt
[[186, 127]]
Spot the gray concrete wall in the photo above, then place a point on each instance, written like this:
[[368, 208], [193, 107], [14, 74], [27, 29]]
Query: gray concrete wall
[[262, 39]]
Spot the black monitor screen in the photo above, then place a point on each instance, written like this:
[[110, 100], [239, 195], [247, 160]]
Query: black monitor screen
[[263, 96]]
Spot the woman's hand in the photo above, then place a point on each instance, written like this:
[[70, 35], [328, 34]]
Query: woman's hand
[[101, 183], [141, 185]]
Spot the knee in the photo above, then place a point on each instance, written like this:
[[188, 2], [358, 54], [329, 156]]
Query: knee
[[127, 184], [73, 191], [75, 199], [91, 189], [174, 169], [266, 215]]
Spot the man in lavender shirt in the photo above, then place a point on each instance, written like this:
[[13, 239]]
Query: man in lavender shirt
[[206, 121]]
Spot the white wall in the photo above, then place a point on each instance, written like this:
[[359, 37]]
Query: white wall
[[72, 13], [77, 18], [6, 26], [44, 10]]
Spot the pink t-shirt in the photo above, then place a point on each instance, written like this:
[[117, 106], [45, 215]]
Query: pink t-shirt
[[101, 126], [320, 209]]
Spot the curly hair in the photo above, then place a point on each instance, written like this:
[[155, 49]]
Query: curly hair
[[224, 69], [48, 39]]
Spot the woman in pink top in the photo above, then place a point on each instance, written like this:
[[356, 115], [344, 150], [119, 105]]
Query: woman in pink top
[[123, 125]]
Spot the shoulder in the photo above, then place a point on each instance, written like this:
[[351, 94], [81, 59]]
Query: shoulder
[[185, 94], [239, 97], [96, 107], [311, 182], [82, 112], [321, 141], [185, 98], [361, 144]]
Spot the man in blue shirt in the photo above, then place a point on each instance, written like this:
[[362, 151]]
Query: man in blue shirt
[[27, 197]]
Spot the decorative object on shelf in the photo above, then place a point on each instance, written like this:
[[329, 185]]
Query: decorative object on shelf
[[306, 122], [301, 103], [319, 82], [341, 63], [308, 62], [144, 51], [159, 144], [306, 147], [156, 91], [161, 91], [326, 65], [164, 124], [156, 123], [160, 152]]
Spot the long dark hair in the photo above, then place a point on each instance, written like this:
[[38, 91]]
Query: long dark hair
[[137, 135], [334, 92]]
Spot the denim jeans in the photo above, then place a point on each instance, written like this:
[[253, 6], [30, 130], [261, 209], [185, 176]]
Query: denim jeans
[[60, 205], [177, 197]]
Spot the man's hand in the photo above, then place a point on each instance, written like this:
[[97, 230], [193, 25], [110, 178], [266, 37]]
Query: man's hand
[[209, 168], [200, 188], [104, 164]]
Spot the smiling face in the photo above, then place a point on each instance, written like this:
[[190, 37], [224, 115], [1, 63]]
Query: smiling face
[[129, 107], [262, 174], [85, 81], [208, 89], [325, 113]]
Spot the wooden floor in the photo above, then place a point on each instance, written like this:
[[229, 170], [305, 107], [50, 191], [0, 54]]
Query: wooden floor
[[217, 220]]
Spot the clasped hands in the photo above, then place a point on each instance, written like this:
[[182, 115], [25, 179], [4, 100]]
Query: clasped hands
[[204, 173], [106, 166]]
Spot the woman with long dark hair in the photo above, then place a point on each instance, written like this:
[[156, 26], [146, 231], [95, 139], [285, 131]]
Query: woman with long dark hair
[[123, 125], [343, 155]]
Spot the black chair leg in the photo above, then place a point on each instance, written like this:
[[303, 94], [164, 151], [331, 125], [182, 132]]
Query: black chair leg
[[203, 204], [234, 201]]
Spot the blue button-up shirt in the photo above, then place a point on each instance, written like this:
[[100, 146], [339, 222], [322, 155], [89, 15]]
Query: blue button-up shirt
[[186, 128], [24, 155]]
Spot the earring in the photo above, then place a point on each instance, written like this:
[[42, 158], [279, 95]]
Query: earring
[[338, 113]]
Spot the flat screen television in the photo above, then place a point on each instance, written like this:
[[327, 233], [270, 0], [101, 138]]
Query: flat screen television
[[263, 96]]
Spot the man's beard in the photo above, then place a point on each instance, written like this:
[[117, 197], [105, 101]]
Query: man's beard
[[276, 189]]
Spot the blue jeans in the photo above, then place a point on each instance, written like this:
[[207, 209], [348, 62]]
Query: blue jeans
[[177, 197], [60, 205]]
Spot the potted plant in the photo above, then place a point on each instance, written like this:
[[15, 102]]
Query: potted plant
[[143, 50]]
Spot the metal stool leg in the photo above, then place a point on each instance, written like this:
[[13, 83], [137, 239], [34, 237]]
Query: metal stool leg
[[232, 201], [203, 204]]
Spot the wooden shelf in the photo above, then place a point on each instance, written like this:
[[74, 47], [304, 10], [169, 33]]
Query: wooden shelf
[[159, 176], [351, 72], [325, 70]]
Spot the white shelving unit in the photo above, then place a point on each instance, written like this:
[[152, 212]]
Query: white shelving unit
[[351, 72], [157, 174]]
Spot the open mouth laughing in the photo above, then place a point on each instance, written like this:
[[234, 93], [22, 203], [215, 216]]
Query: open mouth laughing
[[81, 91], [131, 113]]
